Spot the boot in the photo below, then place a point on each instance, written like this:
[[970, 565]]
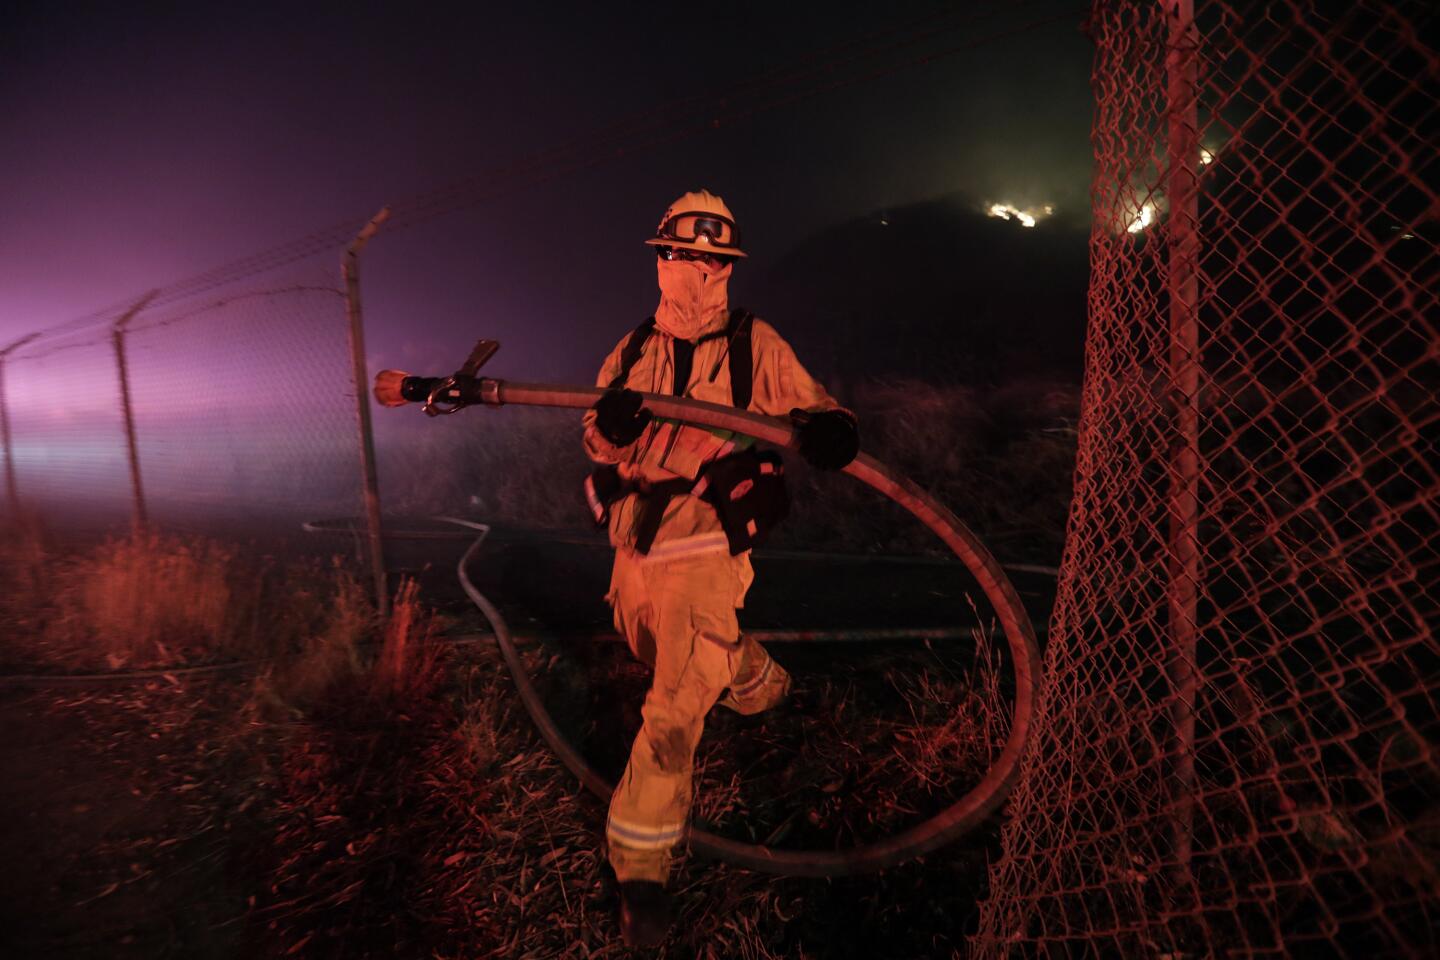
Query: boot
[[644, 913]]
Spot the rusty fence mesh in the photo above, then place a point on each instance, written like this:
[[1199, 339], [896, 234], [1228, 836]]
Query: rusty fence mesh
[[243, 410], [1236, 753]]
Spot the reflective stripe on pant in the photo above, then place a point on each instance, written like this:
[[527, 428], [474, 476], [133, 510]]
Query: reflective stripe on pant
[[679, 616], [759, 682]]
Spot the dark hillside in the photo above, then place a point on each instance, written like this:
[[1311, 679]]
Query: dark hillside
[[936, 291]]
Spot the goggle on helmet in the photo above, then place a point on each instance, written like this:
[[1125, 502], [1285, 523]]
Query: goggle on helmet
[[699, 230]]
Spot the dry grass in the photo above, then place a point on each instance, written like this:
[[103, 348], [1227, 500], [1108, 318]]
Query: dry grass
[[328, 658], [1002, 460], [24, 560], [955, 723], [410, 658], [143, 596], [435, 823], [24, 545], [145, 599], [405, 806], [152, 600], [882, 740], [334, 662]]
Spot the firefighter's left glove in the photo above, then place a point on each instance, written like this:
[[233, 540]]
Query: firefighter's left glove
[[829, 439], [619, 417]]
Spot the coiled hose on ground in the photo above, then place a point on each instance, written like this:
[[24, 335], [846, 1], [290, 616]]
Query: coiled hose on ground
[[938, 830]]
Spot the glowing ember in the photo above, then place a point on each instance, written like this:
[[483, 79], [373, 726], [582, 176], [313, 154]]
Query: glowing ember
[[1143, 219]]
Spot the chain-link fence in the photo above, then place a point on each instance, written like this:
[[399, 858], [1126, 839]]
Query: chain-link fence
[[1237, 750], [241, 414]]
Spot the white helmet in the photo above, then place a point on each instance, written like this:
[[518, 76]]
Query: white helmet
[[699, 221]]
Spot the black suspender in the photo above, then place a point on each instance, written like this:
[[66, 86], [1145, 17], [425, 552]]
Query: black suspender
[[742, 361], [684, 362], [634, 347], [738, 353]]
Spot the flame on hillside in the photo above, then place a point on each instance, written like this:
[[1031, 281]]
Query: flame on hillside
[[1026, 218]]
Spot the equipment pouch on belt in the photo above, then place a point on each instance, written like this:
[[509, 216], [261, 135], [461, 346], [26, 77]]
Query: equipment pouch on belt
[[605, 486], [747, 490]]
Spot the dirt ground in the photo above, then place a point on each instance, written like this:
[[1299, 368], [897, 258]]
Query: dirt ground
[[120, 831]]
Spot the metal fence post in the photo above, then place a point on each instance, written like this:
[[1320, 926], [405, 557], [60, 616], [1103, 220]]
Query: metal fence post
[[11, 491], [350, 270], [1182, 262], [139, 520]]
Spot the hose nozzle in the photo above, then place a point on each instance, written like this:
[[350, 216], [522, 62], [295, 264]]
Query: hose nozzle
[[441, 395], [388, 385]]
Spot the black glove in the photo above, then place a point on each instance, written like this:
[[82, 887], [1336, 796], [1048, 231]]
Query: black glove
[[829, 439], [619, 418]]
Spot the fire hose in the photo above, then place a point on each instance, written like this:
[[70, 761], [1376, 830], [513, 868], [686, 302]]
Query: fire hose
[[447, 395]]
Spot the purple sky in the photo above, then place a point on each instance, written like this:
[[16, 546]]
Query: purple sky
[[142, 148]]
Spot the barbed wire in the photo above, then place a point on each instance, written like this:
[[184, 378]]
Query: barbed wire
[[92, 337]]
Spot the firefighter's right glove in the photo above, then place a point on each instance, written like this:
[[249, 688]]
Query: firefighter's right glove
[[619, 417], [829, 439]]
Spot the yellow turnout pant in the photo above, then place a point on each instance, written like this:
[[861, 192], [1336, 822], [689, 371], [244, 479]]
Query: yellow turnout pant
[[677, 612]]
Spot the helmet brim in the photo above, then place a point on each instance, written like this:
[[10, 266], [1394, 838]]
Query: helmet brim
[[696, 245]]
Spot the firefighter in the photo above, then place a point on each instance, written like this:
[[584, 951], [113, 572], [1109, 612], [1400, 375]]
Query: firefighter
[[684, 505]]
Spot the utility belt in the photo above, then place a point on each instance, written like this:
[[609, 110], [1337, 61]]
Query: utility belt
[[746, 490]]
